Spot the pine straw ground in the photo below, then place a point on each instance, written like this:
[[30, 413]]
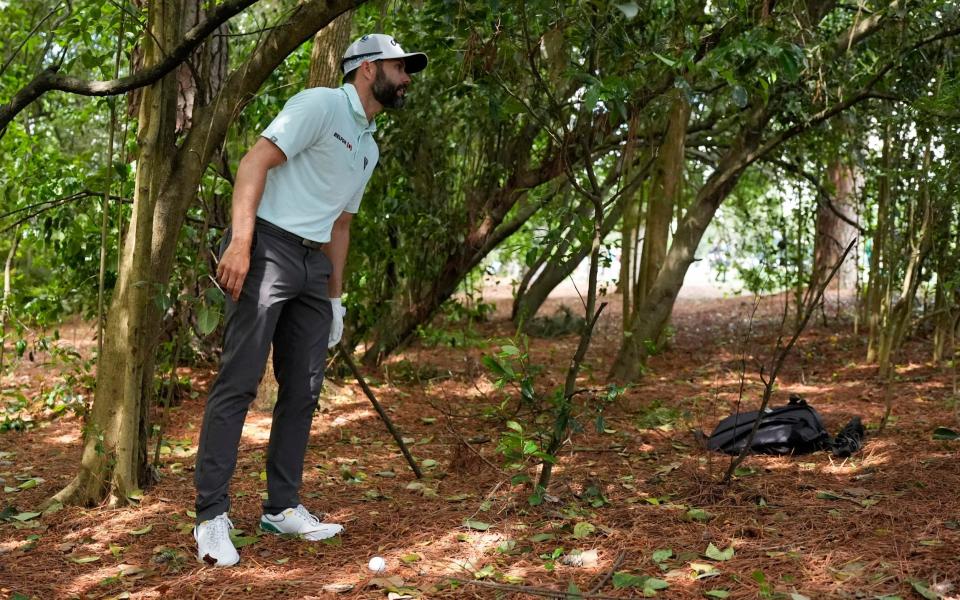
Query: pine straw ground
[[892, 519]]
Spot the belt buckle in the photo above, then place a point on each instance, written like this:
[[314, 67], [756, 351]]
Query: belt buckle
[[312, 245]]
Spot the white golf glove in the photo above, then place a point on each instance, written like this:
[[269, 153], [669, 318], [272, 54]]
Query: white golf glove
[[336, 325]]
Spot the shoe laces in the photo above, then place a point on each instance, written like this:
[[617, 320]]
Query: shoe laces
[[220, 528], [310, 518]]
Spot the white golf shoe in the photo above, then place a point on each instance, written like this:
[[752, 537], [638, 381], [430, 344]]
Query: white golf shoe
[[299, 521], [213, 542]]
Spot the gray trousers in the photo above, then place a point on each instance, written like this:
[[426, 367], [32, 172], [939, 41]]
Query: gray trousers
[[284, 302]]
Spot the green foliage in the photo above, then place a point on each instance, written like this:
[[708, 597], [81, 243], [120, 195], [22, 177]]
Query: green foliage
[[524, 441], [656, 416]]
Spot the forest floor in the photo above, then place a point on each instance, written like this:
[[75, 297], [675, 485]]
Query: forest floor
[[641, 500]]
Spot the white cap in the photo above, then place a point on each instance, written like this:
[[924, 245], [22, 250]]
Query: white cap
[[377, 46]]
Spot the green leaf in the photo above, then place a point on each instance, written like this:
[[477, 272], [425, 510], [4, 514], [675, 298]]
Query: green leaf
[[573, 591], [922, 589], [652, 584], [207, 319], [82, 560], [241, 541], [542, 537], [428, 463], [477, 525], [739, 96], [715, 553], [828, 495], [797, 596], [698, 514], [623, 579], [30, 483], [25, 516], [496, 368], [142, 531], [514, 426], [661, 555], [717, 594], [510, 350], [670, 63], [944, 433], [410, 558], [485, 572], [583, 530]]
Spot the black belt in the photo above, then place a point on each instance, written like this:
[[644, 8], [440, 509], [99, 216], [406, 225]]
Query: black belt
[[290, 236]]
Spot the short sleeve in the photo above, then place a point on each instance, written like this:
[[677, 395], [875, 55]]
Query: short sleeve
[[301, 123]]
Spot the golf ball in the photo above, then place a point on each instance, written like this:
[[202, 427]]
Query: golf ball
[[377, 564]]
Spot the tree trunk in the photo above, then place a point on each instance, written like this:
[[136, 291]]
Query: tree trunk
[[561, 266], [550, 253], [328, 47], [943, 319], [665, 190], [651, 316], [833, 234], [630, 226], [878, 255], [5, 303], [895, 329], [168, 176], [114, 448], [629, 241]]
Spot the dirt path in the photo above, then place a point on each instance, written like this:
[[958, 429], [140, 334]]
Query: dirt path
[[642, 495]]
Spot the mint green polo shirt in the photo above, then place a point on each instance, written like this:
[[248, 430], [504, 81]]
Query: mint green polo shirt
[[331, 154]]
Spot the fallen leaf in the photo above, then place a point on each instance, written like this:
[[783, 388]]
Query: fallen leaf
[[477, 525], [715, 553], [583, 530], [83, 559], [25, 516]]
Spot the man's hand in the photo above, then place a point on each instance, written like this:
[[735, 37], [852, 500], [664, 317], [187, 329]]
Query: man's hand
[[233, 268], [336, 325]]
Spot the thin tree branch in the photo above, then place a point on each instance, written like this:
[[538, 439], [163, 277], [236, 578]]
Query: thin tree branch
[[50, 79], [823, 195], [781, 354], [606, 576], [16, 51], [864, 28]]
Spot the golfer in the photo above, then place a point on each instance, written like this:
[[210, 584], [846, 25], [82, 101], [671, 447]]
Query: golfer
[[281, 265]]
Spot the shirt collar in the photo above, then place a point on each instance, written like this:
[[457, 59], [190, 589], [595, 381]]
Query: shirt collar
[[358, 113]]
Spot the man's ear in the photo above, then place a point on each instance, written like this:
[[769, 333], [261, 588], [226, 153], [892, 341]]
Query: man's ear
[[368, 69]]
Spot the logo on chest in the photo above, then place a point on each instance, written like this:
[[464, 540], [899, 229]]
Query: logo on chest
[[343, 141]]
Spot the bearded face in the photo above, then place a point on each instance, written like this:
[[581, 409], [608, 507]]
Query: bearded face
[[387, 93]]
